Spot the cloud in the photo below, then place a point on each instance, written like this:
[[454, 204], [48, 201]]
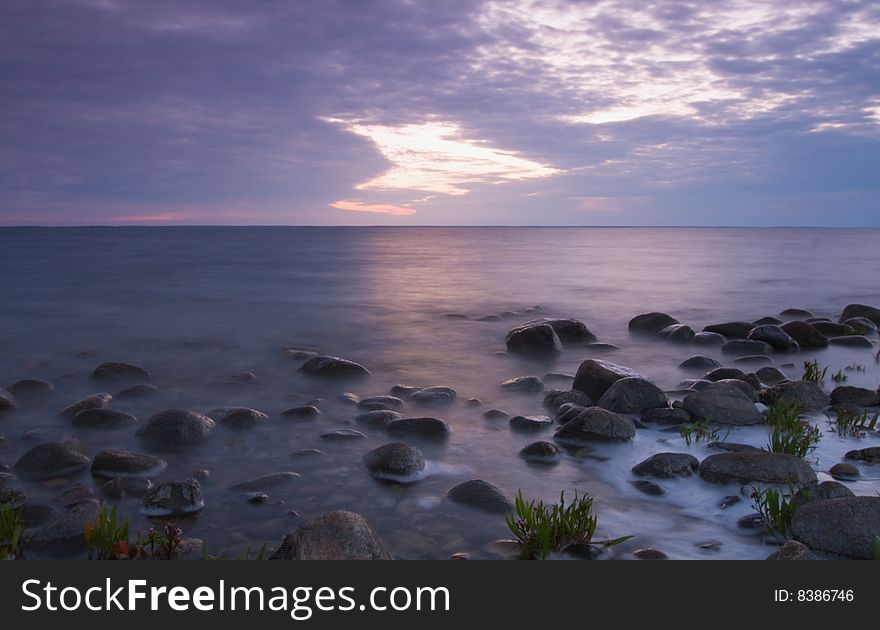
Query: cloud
[[352, 205]]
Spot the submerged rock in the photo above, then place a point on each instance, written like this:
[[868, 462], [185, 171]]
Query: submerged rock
[[861, 325], [708, 339], [555, 398], [435, 395], [724, 404], [851, 341], [595, 376], [699, 362], [777, 338], [241, 417], [832, 329], [795, 313], [870, 455], [265, 482], [848, 526], [538, 339], [29, 388], [138, 390], [541, 453], [428, 428], [770, 375], [858, 396], [651, 323], [667, 466], [846, 472], [723, 373], [120, 372], [595, 424], [530, 423], [807, 395], [481, 495], [567, 329], [343, 435], [303, 412], [396, 459], [861, 310], [177, 427], [340, 535], [495, 414], [677, 332], [121, 463], [379, 419], [173, 498], [333, 367], [374, 403], [746, 347], [756, 466], [528, 384], [122, 487], [95, 401], [49, 460], [807, 335], [731, 330], [667, 416], [103, 418], [632, 395]]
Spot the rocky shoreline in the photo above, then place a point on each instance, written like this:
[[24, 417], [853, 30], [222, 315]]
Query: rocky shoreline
[[743, 368]]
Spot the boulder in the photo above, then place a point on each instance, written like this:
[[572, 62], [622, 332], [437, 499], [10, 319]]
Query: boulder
[[632, 395], [555, 398], [340, 535], [427, 428], [103, 418], [394, 460], [833, 329], [746, 347], [379, 419], [527, 384], [176, 427], [860, 325], [851, 341], [120, 372], [795, 313], [752, 466], [138, 390], [49, 460], [173, 498], [651, 323], [764, 321], [303, 412], [844, 471], [29, 388], [667, 466], [122, 487], [848, 526], [677, 332], [667, 416], [793, 550], [724, 404], [731, 330], [541, 453], [770, 375], [778, 339], [870, 455], [240, 417], [530, 423], [723, 373], [481, 495], [595, 376], [595, 424], [568, 330], [95, 401], [113, 463], [537, 339], [805, 334], [333, 368], [435, 395], [806, 394], [861, 310], [63, 535], [569, 411], [373, 403], [708, 339], [699, 362], [858, 396], [343, 435]]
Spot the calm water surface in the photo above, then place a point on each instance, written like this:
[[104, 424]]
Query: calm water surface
[[195, 305]]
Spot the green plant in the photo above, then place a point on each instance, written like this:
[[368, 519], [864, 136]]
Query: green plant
[[543, 529], [107, 537], [854, 423], [787, 433], [855, 367], [776, 508], [813, 373], [839, 377], [699, 431], [11, 527]]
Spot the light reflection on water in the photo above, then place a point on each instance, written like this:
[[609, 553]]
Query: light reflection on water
[[194, 305]]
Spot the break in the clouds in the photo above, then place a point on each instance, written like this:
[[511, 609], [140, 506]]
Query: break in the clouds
[[403, 112]]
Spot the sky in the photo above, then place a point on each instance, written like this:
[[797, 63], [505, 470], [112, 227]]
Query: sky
[[405, 112]]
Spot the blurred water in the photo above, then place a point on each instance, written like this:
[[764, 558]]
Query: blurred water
[[195, 305]]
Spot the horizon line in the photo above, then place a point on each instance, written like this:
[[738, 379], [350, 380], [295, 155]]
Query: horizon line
[[387, 225]]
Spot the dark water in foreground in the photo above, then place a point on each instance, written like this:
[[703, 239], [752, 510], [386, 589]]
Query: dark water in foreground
[[194, 305]]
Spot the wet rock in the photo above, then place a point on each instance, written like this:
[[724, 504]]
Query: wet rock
[[731, 330], [340, 535], [870, 455], [851, 341], [648, 487], [677, 332], [861, 325], [753, 523], [265, 482], [403, 391], [708, 339], [739, 383], [530, 423], [694, 384], [350, 398], [792, 550], [568, 411], [756, 466], [815, 491], [29, 388], [379, 419], [699, 362], [541, 453], [120, 372], [303, 412], [306, 453], [427, 428], [651, 323], [595, 376], [753, 359], [770, 375], [807, 395], [73, 493], [173, 498], [528, 384], [495, 414], [396, 459], [555, 398], [723, 373], [435, 395], [63, 535], [241, 417], [481, 495], [667, 466], [49, 460], [343, 435], [122, 487], [729, 501], [632, 395], [257, 498], [833, 329], [474, 402], [374, 403], [595, 424], [177, 427], [807, 335], [95, 401], [103, 419], [795, 313], [139, 390], [333, 367], [121, 463], [601, 347], [539, 339], [846, 526], [861, 310], [746, 347], [845, 472], [732, 447], [667, 416], [724, 404], [858, 396], [777, 338], [650, 554], [765, 321], [568, 330]]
